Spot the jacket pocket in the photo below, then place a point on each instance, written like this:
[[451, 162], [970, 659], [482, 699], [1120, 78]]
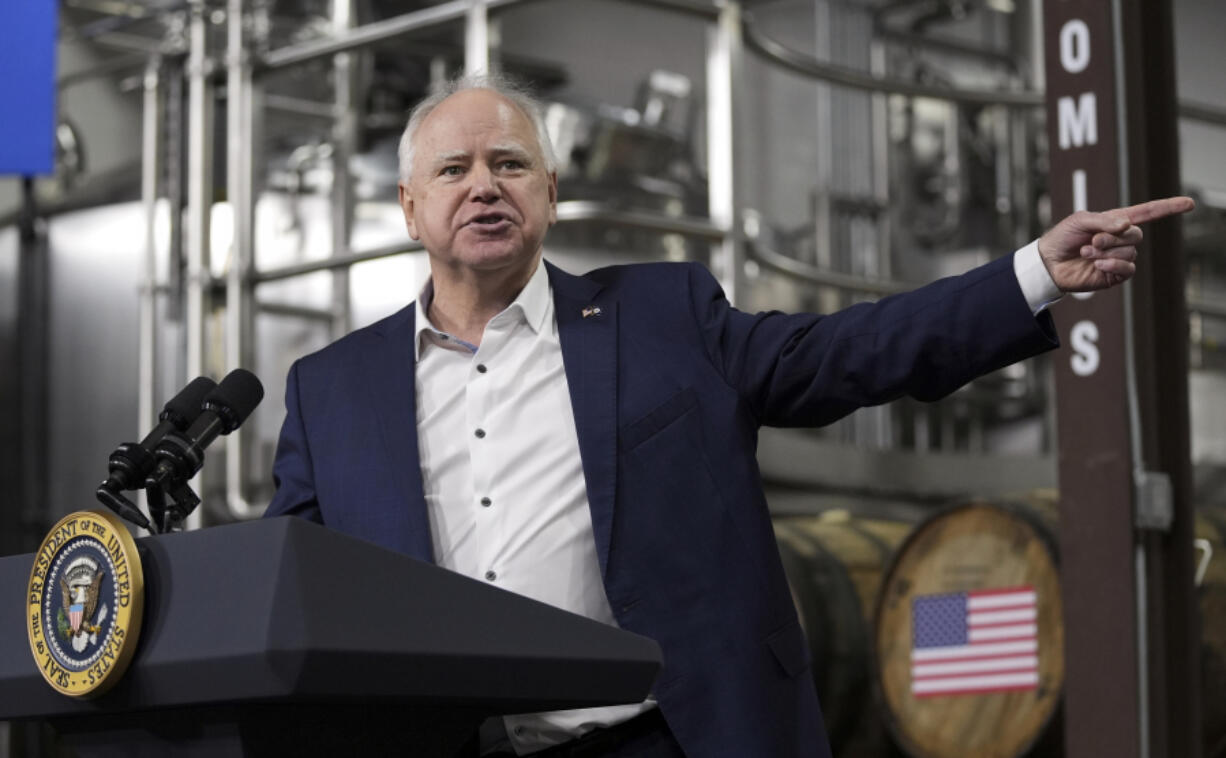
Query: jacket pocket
[[658, 418], [790, 647]]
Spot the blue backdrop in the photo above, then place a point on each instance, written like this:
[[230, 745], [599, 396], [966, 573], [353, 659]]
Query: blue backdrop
[[27, 86]]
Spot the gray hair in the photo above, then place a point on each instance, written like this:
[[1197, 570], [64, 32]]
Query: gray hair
[[512, 90]]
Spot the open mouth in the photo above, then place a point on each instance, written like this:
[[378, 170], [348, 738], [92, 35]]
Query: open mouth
[[489, 220]]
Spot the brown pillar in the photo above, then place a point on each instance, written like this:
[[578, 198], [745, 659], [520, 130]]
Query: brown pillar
[[1121, 384]]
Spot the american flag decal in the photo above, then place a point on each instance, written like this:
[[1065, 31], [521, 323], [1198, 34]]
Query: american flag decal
[[974, 642]]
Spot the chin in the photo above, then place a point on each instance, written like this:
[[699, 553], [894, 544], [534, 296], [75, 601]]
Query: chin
[[496, 260], [493, 255]]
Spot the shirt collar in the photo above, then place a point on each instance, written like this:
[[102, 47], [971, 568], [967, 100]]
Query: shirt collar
[[531, 305]]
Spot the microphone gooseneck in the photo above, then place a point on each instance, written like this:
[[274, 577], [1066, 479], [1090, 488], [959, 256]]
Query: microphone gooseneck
[[173, 451], [180, 454], [131, 462]]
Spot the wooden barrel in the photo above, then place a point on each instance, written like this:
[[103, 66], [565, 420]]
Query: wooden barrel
[[969, 646], [834, 564]]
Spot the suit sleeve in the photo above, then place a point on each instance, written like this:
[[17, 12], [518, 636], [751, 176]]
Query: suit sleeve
[[292, 470], [810, 370]]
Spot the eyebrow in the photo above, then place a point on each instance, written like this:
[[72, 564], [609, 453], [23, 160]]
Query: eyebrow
[[452, 155], [506, 148], [510, 148]]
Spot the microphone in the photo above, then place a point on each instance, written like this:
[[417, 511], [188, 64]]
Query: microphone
[[132, 461], [181, 454]]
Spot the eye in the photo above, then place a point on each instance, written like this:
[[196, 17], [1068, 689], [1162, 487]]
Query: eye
[[512, 164], [452, 170]]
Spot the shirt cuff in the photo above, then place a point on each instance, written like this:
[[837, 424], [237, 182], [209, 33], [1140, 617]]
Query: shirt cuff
[[1032, 276]]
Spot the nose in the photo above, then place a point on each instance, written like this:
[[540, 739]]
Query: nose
[[483, 185]]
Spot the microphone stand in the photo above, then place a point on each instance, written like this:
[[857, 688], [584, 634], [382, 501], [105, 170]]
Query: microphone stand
[[166, 481], [125, 465], [131, 462], [124, 507], [180, 451], [170, 518], [159, 486]]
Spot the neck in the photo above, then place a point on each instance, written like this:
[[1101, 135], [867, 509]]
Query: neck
[[465, 300]]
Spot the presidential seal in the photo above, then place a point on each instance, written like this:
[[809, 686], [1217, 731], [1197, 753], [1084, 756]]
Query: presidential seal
[[84, 603]]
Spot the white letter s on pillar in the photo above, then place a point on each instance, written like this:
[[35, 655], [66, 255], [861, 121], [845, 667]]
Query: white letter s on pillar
[[1084, 339]]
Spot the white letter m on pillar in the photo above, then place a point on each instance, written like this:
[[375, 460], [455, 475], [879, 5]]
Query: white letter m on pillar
[[1078, 121]]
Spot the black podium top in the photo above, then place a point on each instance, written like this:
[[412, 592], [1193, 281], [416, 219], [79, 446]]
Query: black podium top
[[282, 610]]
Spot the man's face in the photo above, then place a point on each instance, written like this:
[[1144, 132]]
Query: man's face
[[480, 197]]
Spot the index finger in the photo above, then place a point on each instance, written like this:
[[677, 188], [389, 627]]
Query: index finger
[[1161, 208]]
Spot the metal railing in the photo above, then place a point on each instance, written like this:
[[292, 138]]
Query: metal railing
[[729, 35]]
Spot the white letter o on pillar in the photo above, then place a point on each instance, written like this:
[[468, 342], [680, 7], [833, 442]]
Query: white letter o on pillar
[[1075, 46]]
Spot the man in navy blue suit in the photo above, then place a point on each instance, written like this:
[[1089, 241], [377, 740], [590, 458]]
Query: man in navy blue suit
[[589, 441]]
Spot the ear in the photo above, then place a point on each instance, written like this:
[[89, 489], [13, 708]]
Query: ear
[[405, 197], [553, 197]]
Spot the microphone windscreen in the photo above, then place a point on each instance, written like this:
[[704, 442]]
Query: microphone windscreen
[[185, 407], [236, 397]]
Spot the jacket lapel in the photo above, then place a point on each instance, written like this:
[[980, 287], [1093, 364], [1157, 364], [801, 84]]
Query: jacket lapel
[[389, 371], [587, 330]]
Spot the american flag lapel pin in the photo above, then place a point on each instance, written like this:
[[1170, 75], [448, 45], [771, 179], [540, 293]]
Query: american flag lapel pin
[[591, 310]]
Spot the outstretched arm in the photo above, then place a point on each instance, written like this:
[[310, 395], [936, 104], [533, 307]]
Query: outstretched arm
[[1093, 251]]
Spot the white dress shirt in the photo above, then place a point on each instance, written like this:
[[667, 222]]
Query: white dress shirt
[[1032, 276], [503, 478]]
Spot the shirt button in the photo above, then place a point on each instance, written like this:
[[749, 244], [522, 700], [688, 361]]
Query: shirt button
[[481, 369], [486, 502], [480, 433], [490, 575]]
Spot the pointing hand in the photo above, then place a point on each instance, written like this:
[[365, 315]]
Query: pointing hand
[[1093, 251]]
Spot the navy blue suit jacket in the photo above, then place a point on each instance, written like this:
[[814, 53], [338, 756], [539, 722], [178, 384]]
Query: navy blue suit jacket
[[669, 386]]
